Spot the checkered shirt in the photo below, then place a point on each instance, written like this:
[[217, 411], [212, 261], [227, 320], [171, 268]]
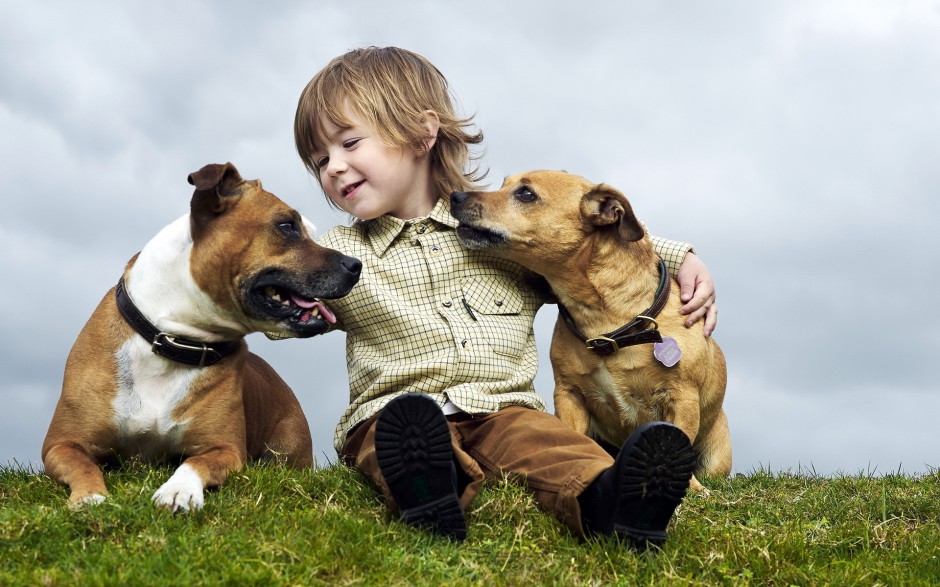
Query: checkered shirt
[[431, 316]]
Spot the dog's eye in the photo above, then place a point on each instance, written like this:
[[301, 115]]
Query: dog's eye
[[526, 195], [288, 228]]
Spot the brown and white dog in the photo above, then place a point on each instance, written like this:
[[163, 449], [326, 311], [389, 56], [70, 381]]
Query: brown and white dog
[[161, 368], [617, 343]]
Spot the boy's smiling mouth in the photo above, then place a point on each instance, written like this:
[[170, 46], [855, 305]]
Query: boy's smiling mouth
[[349, 189]]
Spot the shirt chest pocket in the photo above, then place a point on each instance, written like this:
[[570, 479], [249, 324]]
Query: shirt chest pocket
[[495, 303]]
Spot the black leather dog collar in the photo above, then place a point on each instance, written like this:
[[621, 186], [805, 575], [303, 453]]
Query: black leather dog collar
[[634, 332], [181, 350]]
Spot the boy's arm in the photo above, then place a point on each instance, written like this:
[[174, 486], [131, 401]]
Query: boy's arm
[[697, 290], [672, 252], [696, 287]]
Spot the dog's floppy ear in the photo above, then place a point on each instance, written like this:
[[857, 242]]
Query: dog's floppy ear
[[214, 184], [605, 206]]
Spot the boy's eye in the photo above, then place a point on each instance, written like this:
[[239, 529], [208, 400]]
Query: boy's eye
[[350, 143], [321, 162], [524, 194]]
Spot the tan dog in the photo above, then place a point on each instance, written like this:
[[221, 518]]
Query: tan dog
[[161, 368], [587, 243]]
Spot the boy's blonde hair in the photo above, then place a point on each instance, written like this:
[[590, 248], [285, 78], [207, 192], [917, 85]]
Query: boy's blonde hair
[[389, 89]]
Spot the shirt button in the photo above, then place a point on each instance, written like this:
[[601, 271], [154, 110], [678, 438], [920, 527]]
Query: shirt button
[[435, 250], [422, 229], [447, 304], [499, 302]]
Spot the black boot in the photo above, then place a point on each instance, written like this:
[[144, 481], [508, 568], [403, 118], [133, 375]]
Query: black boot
[[413, 446], [637, 496]]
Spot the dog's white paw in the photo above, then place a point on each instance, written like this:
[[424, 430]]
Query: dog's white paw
[[88, 500], [181, 492]]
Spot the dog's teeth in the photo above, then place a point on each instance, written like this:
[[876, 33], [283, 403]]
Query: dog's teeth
[[272, 293]]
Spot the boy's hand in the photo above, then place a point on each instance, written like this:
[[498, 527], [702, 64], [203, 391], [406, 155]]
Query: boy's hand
[[697, 291]]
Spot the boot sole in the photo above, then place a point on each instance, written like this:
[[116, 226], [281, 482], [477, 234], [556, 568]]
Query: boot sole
[[654, 477], [413, 447]]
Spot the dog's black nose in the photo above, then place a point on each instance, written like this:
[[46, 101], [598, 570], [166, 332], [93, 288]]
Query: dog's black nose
[[458, 198], [351, 264]]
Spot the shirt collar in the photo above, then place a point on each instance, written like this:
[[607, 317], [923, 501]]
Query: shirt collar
[[385, 229]]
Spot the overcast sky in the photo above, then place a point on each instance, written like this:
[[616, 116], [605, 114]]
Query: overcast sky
[[795, 143]]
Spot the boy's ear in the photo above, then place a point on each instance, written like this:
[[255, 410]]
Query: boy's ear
[[432, 124]]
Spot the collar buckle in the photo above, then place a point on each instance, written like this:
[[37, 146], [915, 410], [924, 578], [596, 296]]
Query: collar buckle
[[163, 338], [649, 319], [599, 344]]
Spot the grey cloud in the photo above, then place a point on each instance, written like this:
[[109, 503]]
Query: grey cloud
[[792, 142]]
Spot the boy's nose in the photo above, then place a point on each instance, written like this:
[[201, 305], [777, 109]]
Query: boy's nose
[[336, 166]]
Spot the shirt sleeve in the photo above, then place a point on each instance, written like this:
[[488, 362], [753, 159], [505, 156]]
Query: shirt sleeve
[[672, 252]]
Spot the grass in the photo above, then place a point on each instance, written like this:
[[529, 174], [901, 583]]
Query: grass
[[271, 526]]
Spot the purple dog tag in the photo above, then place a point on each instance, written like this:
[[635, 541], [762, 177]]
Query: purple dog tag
[[667, 352]]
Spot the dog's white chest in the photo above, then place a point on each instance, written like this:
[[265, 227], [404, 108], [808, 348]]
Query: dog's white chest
[[149, 389], [623, 409]]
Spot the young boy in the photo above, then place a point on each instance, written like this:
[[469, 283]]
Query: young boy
[[440, 348]]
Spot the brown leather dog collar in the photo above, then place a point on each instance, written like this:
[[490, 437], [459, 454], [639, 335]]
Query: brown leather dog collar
[[181, 350], [634, 332]]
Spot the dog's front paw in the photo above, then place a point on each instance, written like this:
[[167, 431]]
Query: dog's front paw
[[86, 501], [181, 492], [694, 485]]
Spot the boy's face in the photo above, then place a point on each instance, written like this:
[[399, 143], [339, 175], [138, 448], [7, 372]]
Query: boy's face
[[366, 178]]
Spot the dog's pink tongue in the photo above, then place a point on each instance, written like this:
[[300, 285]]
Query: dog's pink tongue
[[324, 311]]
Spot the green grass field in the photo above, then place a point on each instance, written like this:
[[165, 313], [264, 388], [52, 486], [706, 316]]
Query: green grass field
[[271, 526]]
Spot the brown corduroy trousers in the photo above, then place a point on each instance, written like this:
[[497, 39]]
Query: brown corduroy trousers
[[554, 462]]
